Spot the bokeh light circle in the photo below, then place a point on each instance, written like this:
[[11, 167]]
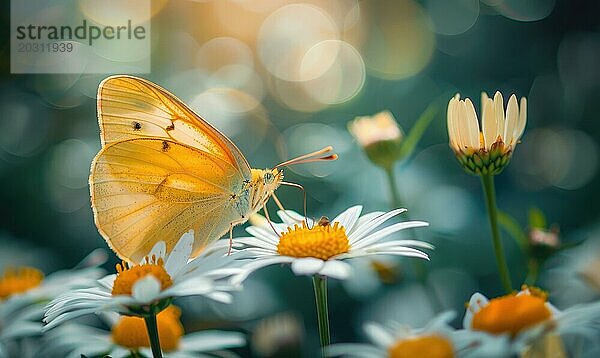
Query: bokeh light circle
[[288, 33], [400, 42], [453, 17], [342, 80]]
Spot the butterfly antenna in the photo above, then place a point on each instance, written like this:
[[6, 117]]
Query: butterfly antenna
[[317, 156], [303, 193], [269, 219]]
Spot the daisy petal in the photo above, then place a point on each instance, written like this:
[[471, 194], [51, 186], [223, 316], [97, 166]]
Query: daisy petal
[[349, 217], [206, 341], [367, 240], [378, 334], [367, 227], [146, 289], [307, 266], [336, 269], [477, 302], [180, 254], [290, 217], [158, 250]]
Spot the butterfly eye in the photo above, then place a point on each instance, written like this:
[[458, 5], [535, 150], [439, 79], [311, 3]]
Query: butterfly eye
[[268, 178]]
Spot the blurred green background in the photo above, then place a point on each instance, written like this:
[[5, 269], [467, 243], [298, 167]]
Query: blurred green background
[[282, 78]]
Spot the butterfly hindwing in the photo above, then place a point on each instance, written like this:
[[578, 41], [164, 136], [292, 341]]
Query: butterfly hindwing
[[147, 190]]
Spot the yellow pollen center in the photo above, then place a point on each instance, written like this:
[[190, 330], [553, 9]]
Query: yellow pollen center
[[131, 331], [512, 313], [433, 346], [320, 241], [127, 276], [19, 280]]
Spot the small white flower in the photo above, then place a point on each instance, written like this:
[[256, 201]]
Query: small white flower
[[127, 335], [136, 289], [510, 324], [394, 339], [21, 312], [320, 248], [372, 129]]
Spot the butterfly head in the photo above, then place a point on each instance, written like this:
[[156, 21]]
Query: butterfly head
[[267, 179]]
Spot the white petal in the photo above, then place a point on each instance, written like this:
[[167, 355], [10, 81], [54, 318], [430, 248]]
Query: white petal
[[146, 289], [180, 254], [512, 117], [255, 242], [307, 266], [489, 123], [206, 341], [258, 264], [477, 302], [222, 297], [108, 281], [336, 269], [265, 234], [290, 217], [522, 119], [472, 124], [378, 334], [356, 350], [369, 226], [158, 250], [499, 110], [378, 235], [484, 99], [349, 217], [450, 122]]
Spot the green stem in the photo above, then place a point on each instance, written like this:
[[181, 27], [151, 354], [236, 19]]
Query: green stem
[[490, 199], [391, 178], [153, 334], [418, 266], [320, 284]]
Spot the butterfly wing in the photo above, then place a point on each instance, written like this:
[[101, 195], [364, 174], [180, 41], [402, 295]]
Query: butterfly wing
[[147, 190], [131, 107]]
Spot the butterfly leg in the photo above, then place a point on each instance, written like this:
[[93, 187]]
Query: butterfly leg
[[280, 206], [230, 238], [269, 219]]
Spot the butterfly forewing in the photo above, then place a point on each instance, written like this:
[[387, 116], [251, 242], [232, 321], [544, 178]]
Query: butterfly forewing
[[131, 107]]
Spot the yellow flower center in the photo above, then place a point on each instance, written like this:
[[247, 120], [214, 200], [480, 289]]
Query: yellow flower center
[[19, 280], [322, 241], [131, 331], [512, 313], [127, 275], [433, 346]]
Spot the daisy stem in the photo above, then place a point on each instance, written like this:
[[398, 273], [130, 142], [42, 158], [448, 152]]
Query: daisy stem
[[153, 334], [391, 178], [418, 266], [490, 199], [320, 284]]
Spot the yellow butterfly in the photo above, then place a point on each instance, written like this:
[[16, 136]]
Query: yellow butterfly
[[163, 170]]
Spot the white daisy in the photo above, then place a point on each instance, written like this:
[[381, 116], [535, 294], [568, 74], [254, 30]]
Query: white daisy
[[436, 339], [127, 337], [149, 287], [320, 248], [24, 292], [515, 323]]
